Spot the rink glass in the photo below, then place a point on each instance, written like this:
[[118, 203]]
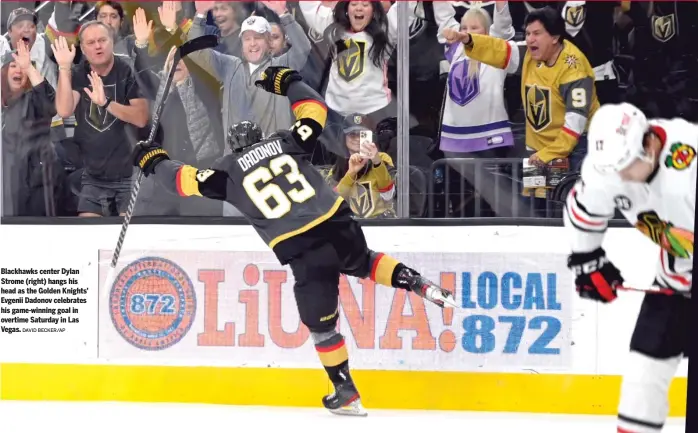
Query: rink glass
[[42, 171]]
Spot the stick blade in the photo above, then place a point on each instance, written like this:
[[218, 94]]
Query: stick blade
[[200, 43]]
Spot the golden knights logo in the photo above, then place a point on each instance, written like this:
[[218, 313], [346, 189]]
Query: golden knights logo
[[362, 202], [664, 27], [97, 117], [350, 62], [538, 107], [314, 35], [575, 15]]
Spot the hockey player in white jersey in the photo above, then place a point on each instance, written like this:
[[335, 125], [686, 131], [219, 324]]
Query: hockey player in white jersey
[[647, 170]]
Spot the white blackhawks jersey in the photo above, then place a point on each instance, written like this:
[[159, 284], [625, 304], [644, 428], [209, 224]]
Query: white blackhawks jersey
[[663, 208]]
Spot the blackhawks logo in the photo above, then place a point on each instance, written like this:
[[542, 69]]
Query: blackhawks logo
[[681, 156]]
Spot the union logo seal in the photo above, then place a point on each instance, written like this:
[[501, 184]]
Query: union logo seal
[[152, 303]]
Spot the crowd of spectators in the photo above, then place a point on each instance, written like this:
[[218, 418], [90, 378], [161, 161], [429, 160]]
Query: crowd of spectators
[[500, 95]]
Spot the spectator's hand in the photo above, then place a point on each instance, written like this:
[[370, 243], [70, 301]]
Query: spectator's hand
[[453, 36], [147, 157], [22, 58], [370, 151], [535, 160], [203, 7], [168, 14], [97, 94], [141, 27], [356, 163], [500, 5], [279, 7], [63, 52], [276, 79]]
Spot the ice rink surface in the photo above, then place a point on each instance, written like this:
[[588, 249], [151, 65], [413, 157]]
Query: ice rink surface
[[42, 417]]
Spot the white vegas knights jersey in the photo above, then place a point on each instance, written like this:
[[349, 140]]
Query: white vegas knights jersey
[[663, 208]]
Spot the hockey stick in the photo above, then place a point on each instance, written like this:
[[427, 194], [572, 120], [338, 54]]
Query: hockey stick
[[200, 43], [651, 289]]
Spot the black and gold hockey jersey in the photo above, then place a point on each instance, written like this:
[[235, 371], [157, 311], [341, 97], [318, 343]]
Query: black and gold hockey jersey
[[271, 183], [665, 56], [372, 193], [558, 100]]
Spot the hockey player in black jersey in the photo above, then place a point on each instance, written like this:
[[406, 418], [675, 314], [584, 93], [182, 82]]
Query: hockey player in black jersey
[[304, 222]]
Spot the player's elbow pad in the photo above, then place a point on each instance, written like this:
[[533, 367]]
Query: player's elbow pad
[[306, 131], [212, 184]]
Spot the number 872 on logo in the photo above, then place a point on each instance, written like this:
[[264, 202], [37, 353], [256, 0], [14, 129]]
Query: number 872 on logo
[[152, 303], [483, 334]]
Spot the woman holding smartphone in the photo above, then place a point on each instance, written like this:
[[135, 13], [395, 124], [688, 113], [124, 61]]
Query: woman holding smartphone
[[366, 178]]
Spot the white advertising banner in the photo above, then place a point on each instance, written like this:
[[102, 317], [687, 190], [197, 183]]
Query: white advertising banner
[[238, 308]]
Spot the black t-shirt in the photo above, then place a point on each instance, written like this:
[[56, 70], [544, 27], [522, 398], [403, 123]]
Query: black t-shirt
[[105, 141]]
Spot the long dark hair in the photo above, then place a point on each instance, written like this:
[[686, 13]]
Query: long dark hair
[[341, 166], [377, 29]]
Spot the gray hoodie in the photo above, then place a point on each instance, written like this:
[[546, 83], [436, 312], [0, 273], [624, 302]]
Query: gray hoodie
[[242, 100]]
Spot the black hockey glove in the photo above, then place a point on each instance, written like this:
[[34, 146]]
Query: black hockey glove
[[276, 79], [596, 277], [147, 157]]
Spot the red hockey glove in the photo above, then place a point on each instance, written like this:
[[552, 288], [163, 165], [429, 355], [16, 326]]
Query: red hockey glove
[[596, 277]]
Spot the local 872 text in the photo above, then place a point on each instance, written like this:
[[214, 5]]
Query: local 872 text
[[513, 316]]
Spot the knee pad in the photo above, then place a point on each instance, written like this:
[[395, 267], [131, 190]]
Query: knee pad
[[319, 311], [317, 288], [644, 400]]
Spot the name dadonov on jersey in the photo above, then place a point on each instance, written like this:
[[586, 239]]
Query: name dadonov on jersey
[[259, 153]]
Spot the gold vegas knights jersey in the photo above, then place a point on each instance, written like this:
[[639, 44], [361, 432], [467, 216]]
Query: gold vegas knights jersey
[[371, 194], [558, 100], [271, 183], [663, 208]]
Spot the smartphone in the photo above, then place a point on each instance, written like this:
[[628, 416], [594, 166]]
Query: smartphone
[[365, 137]]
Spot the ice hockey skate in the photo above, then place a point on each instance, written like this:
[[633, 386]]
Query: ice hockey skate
[[345, 400]]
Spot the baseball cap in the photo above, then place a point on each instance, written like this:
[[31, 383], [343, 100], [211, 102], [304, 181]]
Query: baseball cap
[[256, 24], [355, 122], [21, 14]]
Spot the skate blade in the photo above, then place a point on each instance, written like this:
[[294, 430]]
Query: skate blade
[[442, 298], [355, 408], [449, 301]]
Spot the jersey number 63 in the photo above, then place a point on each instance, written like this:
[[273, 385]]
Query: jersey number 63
[[281, 201]]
